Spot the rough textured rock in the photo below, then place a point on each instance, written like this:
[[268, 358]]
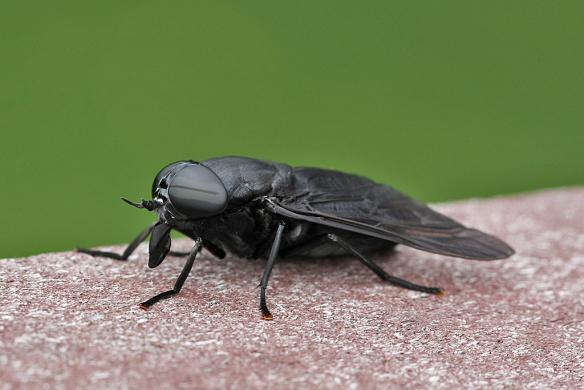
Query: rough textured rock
[[69, 320]]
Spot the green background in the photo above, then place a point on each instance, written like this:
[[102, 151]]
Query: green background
[[442, 99]]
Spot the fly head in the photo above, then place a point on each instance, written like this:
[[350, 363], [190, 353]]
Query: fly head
[[182, 192]]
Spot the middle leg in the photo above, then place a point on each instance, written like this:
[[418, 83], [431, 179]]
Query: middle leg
[[266, 315]]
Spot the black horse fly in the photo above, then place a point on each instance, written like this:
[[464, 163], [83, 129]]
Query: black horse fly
[[255, 208]]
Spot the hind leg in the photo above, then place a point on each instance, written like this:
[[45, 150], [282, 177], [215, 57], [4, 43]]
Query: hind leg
[[379, 271]]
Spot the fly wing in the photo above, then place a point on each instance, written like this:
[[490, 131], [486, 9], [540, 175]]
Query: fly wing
[[359, 205]]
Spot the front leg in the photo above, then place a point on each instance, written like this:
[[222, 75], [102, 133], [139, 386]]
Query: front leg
[[181, 278], [127, 252], [212, 248]]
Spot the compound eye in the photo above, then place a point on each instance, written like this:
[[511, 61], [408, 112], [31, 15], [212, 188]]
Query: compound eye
[[197, 192], [163, 173]]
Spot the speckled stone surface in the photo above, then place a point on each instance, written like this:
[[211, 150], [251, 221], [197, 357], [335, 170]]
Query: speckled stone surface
[[68, 320]]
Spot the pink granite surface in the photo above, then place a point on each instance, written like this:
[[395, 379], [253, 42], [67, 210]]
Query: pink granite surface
[[71, 321]]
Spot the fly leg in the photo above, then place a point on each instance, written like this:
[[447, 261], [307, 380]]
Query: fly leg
[[379, 271], [184, 274], [127, 252], [266, 315], [179, 254], [212, 248]]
